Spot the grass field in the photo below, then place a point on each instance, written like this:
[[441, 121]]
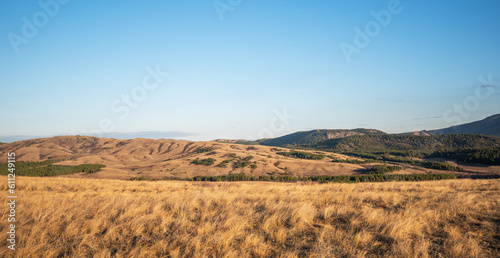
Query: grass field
[[67, 217]]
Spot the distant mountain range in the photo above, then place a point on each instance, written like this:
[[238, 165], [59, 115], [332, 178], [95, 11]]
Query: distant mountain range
[[487, 126], [115, 135]]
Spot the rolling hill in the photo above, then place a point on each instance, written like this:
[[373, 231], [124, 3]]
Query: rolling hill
[[472, 136], [327, 137], [487, 126], [160, 159]]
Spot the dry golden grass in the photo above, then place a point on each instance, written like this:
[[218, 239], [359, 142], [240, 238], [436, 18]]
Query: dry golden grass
[[66, 217]]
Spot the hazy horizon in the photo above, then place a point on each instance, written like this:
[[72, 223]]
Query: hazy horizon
[[246, 69], [165, 135]]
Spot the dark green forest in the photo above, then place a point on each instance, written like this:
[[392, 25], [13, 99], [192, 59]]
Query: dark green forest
[[301, 155], [487, 155], [383, 169], [301, 139], [45, 168], [411, 145], [327, 179]]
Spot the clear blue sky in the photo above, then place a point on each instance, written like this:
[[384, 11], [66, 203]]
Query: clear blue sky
[[227, 77]]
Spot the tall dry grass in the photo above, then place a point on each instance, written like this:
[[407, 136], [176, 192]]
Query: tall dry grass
[[104, 218]]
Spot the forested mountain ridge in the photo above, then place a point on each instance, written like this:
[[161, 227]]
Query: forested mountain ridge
[[483, 133], [388, 142], [309, 138], [487, 126]]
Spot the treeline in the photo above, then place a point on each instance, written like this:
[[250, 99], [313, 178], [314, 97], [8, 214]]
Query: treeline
[[301, 154], [351, 161], [45, 168], [438, 165], [384, 157], [383, 169], [490, 156], [327, 179]]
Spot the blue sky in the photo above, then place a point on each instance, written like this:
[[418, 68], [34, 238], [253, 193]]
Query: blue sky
[[246, 70]]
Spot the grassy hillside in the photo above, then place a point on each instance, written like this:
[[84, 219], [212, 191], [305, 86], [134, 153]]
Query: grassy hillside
[[65, 217], [177, 159], [166, 159]]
